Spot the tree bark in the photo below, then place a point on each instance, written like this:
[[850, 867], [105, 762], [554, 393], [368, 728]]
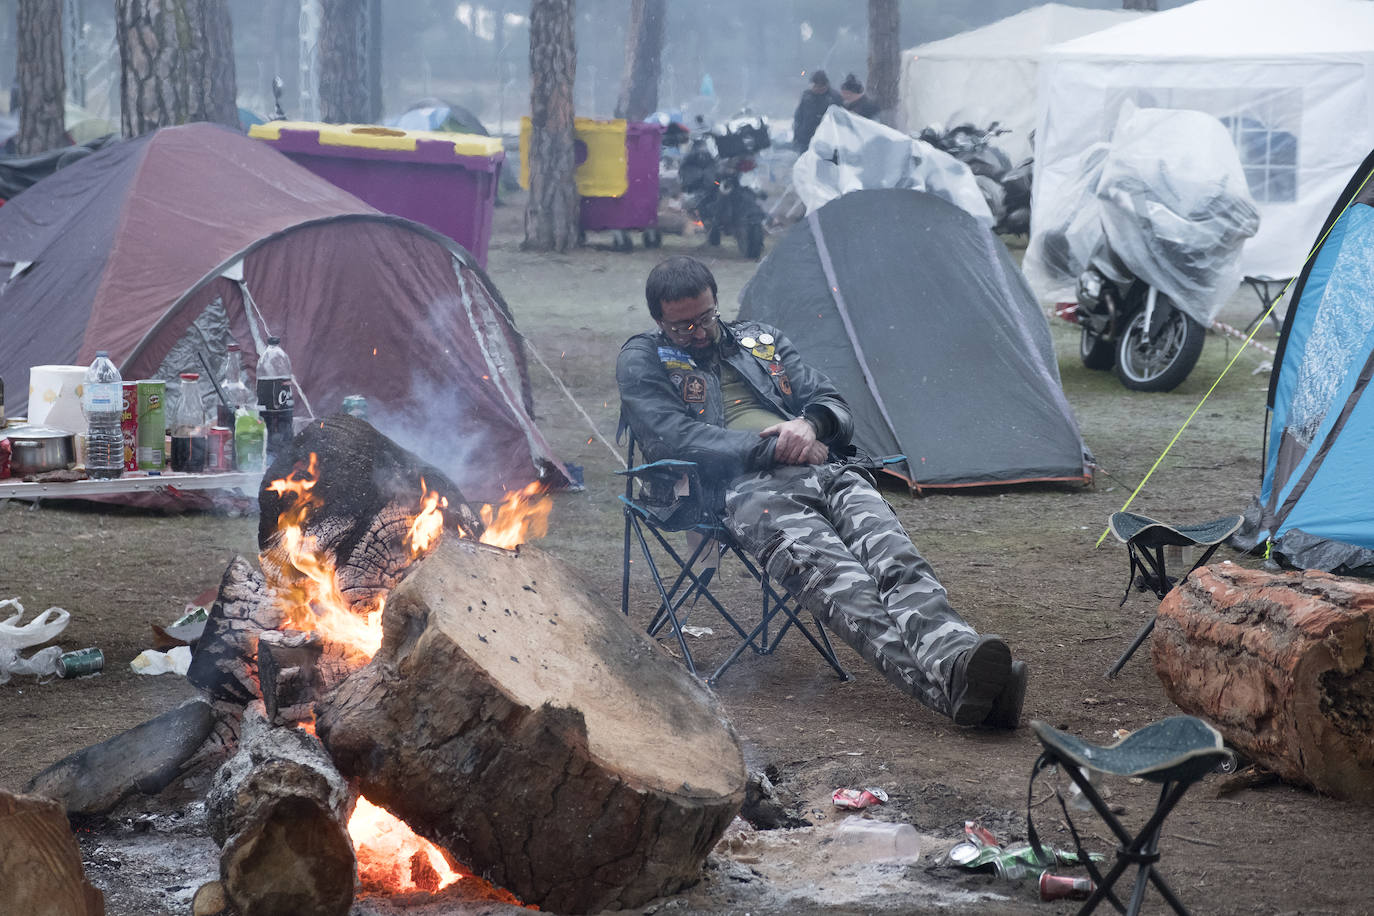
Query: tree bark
[[551, 215], [279, 811], [528, 729], [40, 863], [345, 96], [1282, 665], [643, 57], [1149, 5], [42, 87], [177, 60], [884, 56]]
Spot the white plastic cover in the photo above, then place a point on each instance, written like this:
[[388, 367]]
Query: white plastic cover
[[1167, 196], [849, 153], [1175, 206]]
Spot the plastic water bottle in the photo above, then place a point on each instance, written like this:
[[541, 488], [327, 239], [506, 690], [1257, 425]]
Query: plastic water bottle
[[101, 402], [275, 397], [860, 840]]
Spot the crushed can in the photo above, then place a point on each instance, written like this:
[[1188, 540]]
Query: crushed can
[[80, 663], [855, 799], [1065, 887]]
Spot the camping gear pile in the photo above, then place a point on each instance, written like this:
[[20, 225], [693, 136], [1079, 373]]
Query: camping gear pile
[[919, 314]]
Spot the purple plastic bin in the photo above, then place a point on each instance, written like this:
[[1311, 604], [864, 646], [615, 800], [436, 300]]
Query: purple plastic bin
[[431, 184], [637, 208]]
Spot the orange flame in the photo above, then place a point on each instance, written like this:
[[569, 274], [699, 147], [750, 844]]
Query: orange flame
[[522, 516], [428, 526], [391, 857]]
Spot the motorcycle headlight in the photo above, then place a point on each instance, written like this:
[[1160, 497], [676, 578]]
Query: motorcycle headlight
[[1090, 285]]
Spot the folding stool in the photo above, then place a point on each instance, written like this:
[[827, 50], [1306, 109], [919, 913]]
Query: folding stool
[[1145, 540], [1174, 752], [664, 497]]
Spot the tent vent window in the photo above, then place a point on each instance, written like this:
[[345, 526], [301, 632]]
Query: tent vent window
[[1264, 125]]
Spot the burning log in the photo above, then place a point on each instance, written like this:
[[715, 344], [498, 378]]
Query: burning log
[[40, 863], [279, 811], [531, 732], [225, 660], [1282, 664]]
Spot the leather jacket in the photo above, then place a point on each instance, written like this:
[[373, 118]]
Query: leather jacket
[[671, 400]]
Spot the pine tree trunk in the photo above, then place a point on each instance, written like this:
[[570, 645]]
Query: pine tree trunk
[[884, 56], [374, 61], [41, 77], [551, 215], [643, 54], [177, 60], [343, 52], [1150, 5]]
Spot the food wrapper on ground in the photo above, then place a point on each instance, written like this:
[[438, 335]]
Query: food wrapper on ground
[[183, 631], [859, 798], [150, 661]]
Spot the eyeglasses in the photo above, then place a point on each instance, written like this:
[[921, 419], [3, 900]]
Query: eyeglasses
[[706, 321]]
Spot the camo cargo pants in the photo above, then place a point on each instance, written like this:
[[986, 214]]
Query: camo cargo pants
[[826, 534]]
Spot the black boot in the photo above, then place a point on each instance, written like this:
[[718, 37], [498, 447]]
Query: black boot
[[980, 677], [1006, 709]]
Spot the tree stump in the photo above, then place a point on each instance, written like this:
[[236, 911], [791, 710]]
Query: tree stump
[[40, 863], [279, 811], [535, 735], [1282, 665]]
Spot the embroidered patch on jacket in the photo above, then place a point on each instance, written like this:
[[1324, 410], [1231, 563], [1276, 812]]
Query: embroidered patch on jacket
[[694, 388], [675, 358]]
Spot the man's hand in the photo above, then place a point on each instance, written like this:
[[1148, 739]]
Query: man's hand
[[797, 443]]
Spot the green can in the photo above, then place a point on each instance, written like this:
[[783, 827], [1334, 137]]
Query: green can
[[80, 663], [152, 424]]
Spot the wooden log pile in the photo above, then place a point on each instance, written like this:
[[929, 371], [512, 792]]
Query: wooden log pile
[[1282, 664]]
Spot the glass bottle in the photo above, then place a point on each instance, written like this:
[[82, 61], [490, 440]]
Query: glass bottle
[[189, 439]]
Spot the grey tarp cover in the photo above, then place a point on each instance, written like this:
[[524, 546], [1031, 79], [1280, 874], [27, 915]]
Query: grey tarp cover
[[922, 319], [128, 248]]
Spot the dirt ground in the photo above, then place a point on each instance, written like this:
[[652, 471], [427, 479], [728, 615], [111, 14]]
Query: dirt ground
[[1017, 561]]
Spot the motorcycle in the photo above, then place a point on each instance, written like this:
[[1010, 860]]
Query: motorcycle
[[722, 192], [1130, 326], [1006, 188]]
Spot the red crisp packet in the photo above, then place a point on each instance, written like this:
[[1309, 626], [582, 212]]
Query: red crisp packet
[[859, 798]]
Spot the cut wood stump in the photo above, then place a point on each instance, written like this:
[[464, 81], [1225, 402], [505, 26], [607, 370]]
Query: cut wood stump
[[40, 863], [530, 731], [279, 811], [1282, 665]]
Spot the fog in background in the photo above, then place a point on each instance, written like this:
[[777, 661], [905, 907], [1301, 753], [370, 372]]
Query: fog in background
[[720, 56]]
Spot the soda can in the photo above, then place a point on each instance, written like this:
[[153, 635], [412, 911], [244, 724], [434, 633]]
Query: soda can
[[128, 424], [355, 405], [80, 663], [152, 424], [219, 453], [1064, 887]]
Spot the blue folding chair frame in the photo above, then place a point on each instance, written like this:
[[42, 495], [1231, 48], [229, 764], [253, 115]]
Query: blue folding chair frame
[[689, 585]]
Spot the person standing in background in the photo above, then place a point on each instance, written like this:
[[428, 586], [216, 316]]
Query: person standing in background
[[855, 100], [814, 101]]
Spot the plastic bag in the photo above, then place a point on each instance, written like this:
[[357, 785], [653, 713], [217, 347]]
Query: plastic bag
[[40, 629], [42, 663], [1072, 231], [849, 153], [1176, 207]]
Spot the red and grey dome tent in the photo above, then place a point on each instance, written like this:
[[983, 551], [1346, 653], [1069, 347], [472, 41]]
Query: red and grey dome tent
[[921, 318], [174, 243]]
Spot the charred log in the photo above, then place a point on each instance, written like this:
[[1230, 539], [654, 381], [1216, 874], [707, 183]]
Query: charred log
[[40, 863], [533, 734], [1282, 665], [225, 659], [279, 811]]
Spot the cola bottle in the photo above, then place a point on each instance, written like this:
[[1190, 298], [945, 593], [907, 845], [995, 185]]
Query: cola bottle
[[190, 441], [275, 397], [101, 402]]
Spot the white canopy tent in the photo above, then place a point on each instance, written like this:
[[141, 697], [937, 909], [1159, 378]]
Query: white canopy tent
[[1293, 81], [990, 73]]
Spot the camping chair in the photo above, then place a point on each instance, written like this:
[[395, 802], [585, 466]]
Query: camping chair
[[1174, 752], [1146, 540], [1268, 289], [663, 497]]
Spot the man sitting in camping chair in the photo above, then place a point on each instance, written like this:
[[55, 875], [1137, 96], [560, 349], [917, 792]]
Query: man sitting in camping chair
[[768, 434]]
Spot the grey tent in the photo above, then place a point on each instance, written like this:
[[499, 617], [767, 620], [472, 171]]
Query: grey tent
[[923, 320]]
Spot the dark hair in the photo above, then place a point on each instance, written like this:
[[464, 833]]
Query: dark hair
[[676, 278], [818, 78], [851, 84]]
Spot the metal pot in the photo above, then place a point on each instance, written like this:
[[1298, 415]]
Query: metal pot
[[36, 449]]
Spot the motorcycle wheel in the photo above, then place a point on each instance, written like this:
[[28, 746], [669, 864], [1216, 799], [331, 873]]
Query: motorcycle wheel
[[1097, 353], [749, 237], [1161, 364]]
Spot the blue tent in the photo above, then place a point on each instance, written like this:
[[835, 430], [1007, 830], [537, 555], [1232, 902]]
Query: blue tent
[[1314, 503]]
